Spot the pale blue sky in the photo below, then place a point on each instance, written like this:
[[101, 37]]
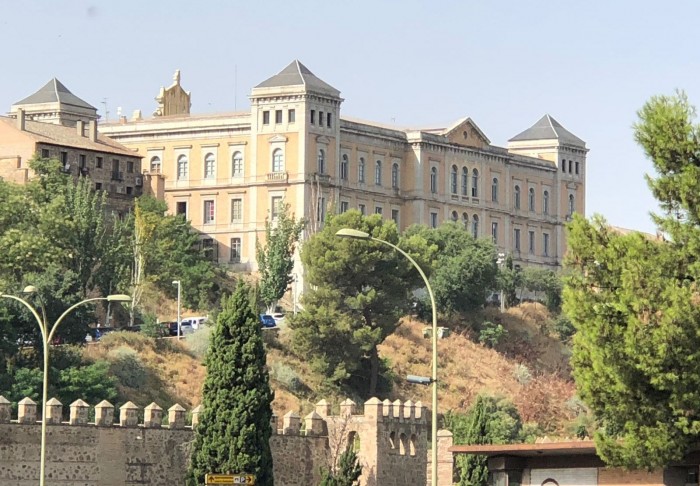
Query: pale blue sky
[[590, 65]]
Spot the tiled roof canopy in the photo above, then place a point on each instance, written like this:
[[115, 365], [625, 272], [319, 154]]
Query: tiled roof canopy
[[547, 128]]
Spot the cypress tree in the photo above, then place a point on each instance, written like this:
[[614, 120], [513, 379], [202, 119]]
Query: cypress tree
[[233, 434]]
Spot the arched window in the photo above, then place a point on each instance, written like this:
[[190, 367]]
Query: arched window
[[475, 226], [516, 197], [465, 181], [433, 180], [321, 161], [182, 167], [155, 165], [453, 180], [237, 164], [277, 161], [455, 217], [344, 166], [572, 204], [209, 166], [402, 444], [412, 445], [545, 202], [378, 173], [563, 165], [549, 482], [395, 176], [494, 189], [531, 199], [475, 183], [465, 220], [361, 170], [353, 441], [392, 440]]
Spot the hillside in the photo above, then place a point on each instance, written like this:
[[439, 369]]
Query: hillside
[[527, 366]]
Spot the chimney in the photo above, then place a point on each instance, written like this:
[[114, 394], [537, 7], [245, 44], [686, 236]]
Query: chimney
[[80, 124], [20, 118], [92, 128]]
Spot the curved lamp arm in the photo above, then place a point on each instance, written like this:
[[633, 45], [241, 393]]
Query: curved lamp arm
[[42, 323], [68, 311]]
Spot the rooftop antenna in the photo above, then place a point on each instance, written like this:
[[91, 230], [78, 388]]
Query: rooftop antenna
[[104, 102]]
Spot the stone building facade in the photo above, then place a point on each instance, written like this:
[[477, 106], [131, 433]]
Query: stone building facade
[[151, 446], [229, 172], [54, 123]]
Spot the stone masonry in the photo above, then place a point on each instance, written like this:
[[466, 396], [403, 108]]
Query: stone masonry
[[151, 446]]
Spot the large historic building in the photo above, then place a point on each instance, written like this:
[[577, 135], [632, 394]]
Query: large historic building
[[229, 172], [54, 123]]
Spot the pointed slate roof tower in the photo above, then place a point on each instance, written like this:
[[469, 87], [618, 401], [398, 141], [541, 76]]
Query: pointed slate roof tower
[[298, 75], [54, 103], [547, 128]]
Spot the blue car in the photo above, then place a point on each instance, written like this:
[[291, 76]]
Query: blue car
[[267, 321]]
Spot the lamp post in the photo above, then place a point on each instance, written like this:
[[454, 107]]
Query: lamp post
[[361, 235], [179, 321], [46, 336], [500, 262]]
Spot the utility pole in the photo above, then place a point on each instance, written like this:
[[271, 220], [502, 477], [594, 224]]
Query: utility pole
[[179, 321]]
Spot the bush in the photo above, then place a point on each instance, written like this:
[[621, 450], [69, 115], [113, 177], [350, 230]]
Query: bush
[[522, 374], [151, 327], [127, 367], [564, 328], [198, 342], [491, 334], [286, 376]]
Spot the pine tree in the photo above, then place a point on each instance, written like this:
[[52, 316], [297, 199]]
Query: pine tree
[[348, 471], [233, 434]]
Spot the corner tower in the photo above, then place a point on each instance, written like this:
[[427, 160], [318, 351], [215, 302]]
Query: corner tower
[[54, 103], [295, 140]]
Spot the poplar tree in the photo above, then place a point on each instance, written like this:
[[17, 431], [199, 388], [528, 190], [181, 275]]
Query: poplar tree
[[634, 303], [233, 433]]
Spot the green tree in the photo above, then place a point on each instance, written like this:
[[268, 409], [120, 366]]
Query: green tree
[[509, 280], [358, 293], [491, 420], [275, 257], [633, 301], [233, 435], [347, 472]]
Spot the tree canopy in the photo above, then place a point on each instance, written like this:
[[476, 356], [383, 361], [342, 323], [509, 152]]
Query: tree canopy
[[633, 300]]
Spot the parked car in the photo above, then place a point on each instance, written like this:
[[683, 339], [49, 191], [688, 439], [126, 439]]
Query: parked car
[[194, 322], [278, 317], [267, 321]]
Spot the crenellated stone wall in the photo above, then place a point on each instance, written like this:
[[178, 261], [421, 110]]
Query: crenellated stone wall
[[391, 440]]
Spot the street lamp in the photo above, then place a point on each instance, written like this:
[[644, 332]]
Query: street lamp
[[46, 336], [361, 235], [500, 261], [177, 282]]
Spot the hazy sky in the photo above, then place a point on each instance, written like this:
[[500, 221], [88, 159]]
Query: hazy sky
[[591, 65]]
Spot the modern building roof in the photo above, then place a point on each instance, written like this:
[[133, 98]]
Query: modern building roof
[[60, 135], [54, 92], [547, 128], [296, 74]]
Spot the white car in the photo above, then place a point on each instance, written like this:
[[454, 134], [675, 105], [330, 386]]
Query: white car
[[194, 322]]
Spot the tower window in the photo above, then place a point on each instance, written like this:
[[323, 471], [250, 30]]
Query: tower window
[[291, 116], [577, 168], [475, 183], [433, 180], [329, 118], [278, 116], [516, 197], [494, 190], [313, 116], [266, 117]]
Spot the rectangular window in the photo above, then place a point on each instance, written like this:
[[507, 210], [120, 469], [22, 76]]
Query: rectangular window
[[98, 186], [276, 207], [570, 164], [44, 153], [320, 118], [235, 250], [291, 116], [433, 220], [494, 232], [278, 116], [361, 207], [545, 244], [236, 210], [321, 209], [266, 117], [129, 190], [329, 118], [531, 242], [98, 162], [83, 161], [64, 158], [181, 208], [577, 168], [344, 206], [209, 248], [378, 210], [516, 239], [130, 167], [395, 216], [313, 116], [208, 212]]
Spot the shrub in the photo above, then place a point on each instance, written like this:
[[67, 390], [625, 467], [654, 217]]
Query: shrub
[[286, 376], [522, 374], [564, 328], [151, 327], [127, 367], [491, 334], [198, 342]]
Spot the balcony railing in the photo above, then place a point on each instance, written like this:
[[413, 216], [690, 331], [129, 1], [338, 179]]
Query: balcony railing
[[322, 178], [282, 177]]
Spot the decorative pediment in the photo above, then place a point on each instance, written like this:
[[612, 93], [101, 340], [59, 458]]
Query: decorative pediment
[[277, 139], [323, 140], [466, 132]]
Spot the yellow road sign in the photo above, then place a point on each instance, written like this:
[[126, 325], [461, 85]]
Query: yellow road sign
[[248, 479]]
